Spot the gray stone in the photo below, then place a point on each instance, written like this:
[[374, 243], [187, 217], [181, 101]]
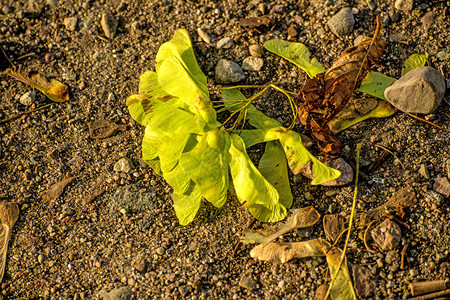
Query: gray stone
[[132, 198], [124, 165], [204, 36], [387, 235], [228, 72], [225, 43], [256, 50], [341, 24], [71, 23], [109, 25], [404, 4], [122, 293], [252, 63], [420, 91], [247, 283], [27, 98]]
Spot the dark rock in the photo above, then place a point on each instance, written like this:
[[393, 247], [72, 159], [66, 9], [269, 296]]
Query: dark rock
[[387, 235], [442, 186], [420, 91], [364, 283]]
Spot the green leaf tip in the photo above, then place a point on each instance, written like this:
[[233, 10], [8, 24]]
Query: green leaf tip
[[415, 61], [296, 53]]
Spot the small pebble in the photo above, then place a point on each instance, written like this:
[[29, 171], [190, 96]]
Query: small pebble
[[40, 258], [71, 23], [160, 251], [225, 43], [247, 283], [28, 98], [252, 63], [256, 50], [109, 25], [204, 36], [405, 5], [124, 165]]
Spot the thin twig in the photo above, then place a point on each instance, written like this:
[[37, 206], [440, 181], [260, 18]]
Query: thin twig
[[25, 113], [428, 122], [26, 55], [392, 153], [365, 236]]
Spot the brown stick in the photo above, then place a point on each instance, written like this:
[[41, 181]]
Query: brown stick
[[432, 295], [425, 287]]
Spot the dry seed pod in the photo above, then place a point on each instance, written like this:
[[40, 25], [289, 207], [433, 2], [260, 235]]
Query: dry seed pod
[[9, 213]]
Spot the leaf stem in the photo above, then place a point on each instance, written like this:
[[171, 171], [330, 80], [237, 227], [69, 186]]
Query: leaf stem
[[25, 113], [352, 215]]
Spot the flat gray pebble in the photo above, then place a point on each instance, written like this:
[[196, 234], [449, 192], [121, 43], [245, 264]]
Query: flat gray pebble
[[204, 36], [122, 293], [247, 283]]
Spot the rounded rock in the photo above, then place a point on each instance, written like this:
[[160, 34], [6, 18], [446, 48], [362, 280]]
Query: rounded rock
[[252, 63], [227, 71], [341, 24], [419, 91], [256, 50], [28, 98], [225, 43]]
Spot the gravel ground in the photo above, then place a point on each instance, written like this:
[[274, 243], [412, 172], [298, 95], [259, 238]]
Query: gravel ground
[[127, 240]]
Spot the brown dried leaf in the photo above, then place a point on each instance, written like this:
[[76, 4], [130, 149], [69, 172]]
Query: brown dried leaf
[[56, 190], [54, 90], [328, 93], [101, 129], [255, 22], [333, 225], [96, 190], [9, 213]]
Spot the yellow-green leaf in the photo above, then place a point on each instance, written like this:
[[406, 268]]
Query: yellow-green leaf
[[252, 189], [375, 83], [186, 205], [414, 61], [296, 53], [273, 166]]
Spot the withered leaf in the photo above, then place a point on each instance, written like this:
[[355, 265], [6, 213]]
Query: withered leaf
[[97, 190], [328, 93], [255, 22], [53, 89], [333, 225], [101, 129], [300, 218], [57, 189], [9, 213]]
